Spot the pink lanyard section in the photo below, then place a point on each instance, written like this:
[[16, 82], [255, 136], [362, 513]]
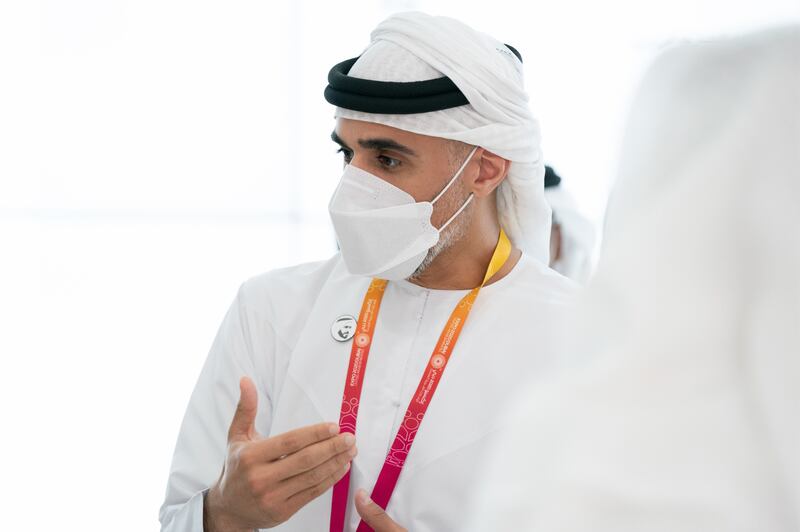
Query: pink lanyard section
[[401, 446]]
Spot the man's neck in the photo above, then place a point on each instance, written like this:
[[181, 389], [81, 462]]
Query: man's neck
[[463, 265]]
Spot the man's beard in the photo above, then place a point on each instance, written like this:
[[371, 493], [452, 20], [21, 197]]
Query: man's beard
[[452, 234]]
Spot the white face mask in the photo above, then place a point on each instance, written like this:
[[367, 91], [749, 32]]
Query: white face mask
[[381, 230]]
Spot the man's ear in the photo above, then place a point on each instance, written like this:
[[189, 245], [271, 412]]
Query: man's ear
[[492, 170]]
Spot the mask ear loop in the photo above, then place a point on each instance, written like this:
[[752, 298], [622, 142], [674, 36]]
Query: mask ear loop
[[453, 180], [469, 199]]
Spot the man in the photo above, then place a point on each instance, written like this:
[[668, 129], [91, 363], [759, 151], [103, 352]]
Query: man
[[572, 235], [682, 413], [441, 193]]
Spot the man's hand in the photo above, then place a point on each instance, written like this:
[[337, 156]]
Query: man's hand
[[374, 515], [266, 480]]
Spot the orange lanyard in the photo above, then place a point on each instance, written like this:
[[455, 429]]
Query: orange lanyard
[[396, 457]]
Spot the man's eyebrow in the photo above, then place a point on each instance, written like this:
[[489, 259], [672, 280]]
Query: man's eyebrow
[[337, 139], [376, 144], [385, 144]]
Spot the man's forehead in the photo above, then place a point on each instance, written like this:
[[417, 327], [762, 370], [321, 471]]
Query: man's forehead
[[353, 130]]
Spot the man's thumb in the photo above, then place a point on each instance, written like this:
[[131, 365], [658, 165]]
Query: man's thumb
[[373, 515], [242, 427]]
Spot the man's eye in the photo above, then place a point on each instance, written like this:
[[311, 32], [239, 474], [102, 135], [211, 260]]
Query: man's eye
[[388, 162], [347, 154]]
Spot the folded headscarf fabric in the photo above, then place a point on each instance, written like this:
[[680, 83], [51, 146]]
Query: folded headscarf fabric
[[414, 46]]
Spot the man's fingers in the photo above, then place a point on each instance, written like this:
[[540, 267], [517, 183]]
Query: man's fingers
[[298, 500], [242, 427], [374, 515], [290, 442], [317, 475], [310, 457]]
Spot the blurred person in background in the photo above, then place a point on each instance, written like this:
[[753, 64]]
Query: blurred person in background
[[680, 409], [572, 234], [440, 216]]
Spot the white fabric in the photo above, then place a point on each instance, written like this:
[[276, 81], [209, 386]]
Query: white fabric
[[683, 410], [278, 331], [577, 236], [382, 231], [414, 47]]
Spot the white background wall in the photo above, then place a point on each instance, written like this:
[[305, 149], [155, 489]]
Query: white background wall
[[156, 153]]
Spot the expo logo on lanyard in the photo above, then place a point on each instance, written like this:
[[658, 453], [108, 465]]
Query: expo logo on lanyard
[[401, 446]]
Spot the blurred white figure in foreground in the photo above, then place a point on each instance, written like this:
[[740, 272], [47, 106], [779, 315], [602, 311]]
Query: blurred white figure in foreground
[[683, 413], [571, 233]]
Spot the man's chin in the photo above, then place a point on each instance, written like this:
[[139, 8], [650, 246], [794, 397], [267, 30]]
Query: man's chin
[[420, 271], [430, 257], [451, 236]]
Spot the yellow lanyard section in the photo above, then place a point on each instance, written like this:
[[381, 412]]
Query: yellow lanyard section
[[499, 258]]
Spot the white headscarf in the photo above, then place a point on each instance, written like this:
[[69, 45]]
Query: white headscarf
[[415, 47], [684, 413]]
